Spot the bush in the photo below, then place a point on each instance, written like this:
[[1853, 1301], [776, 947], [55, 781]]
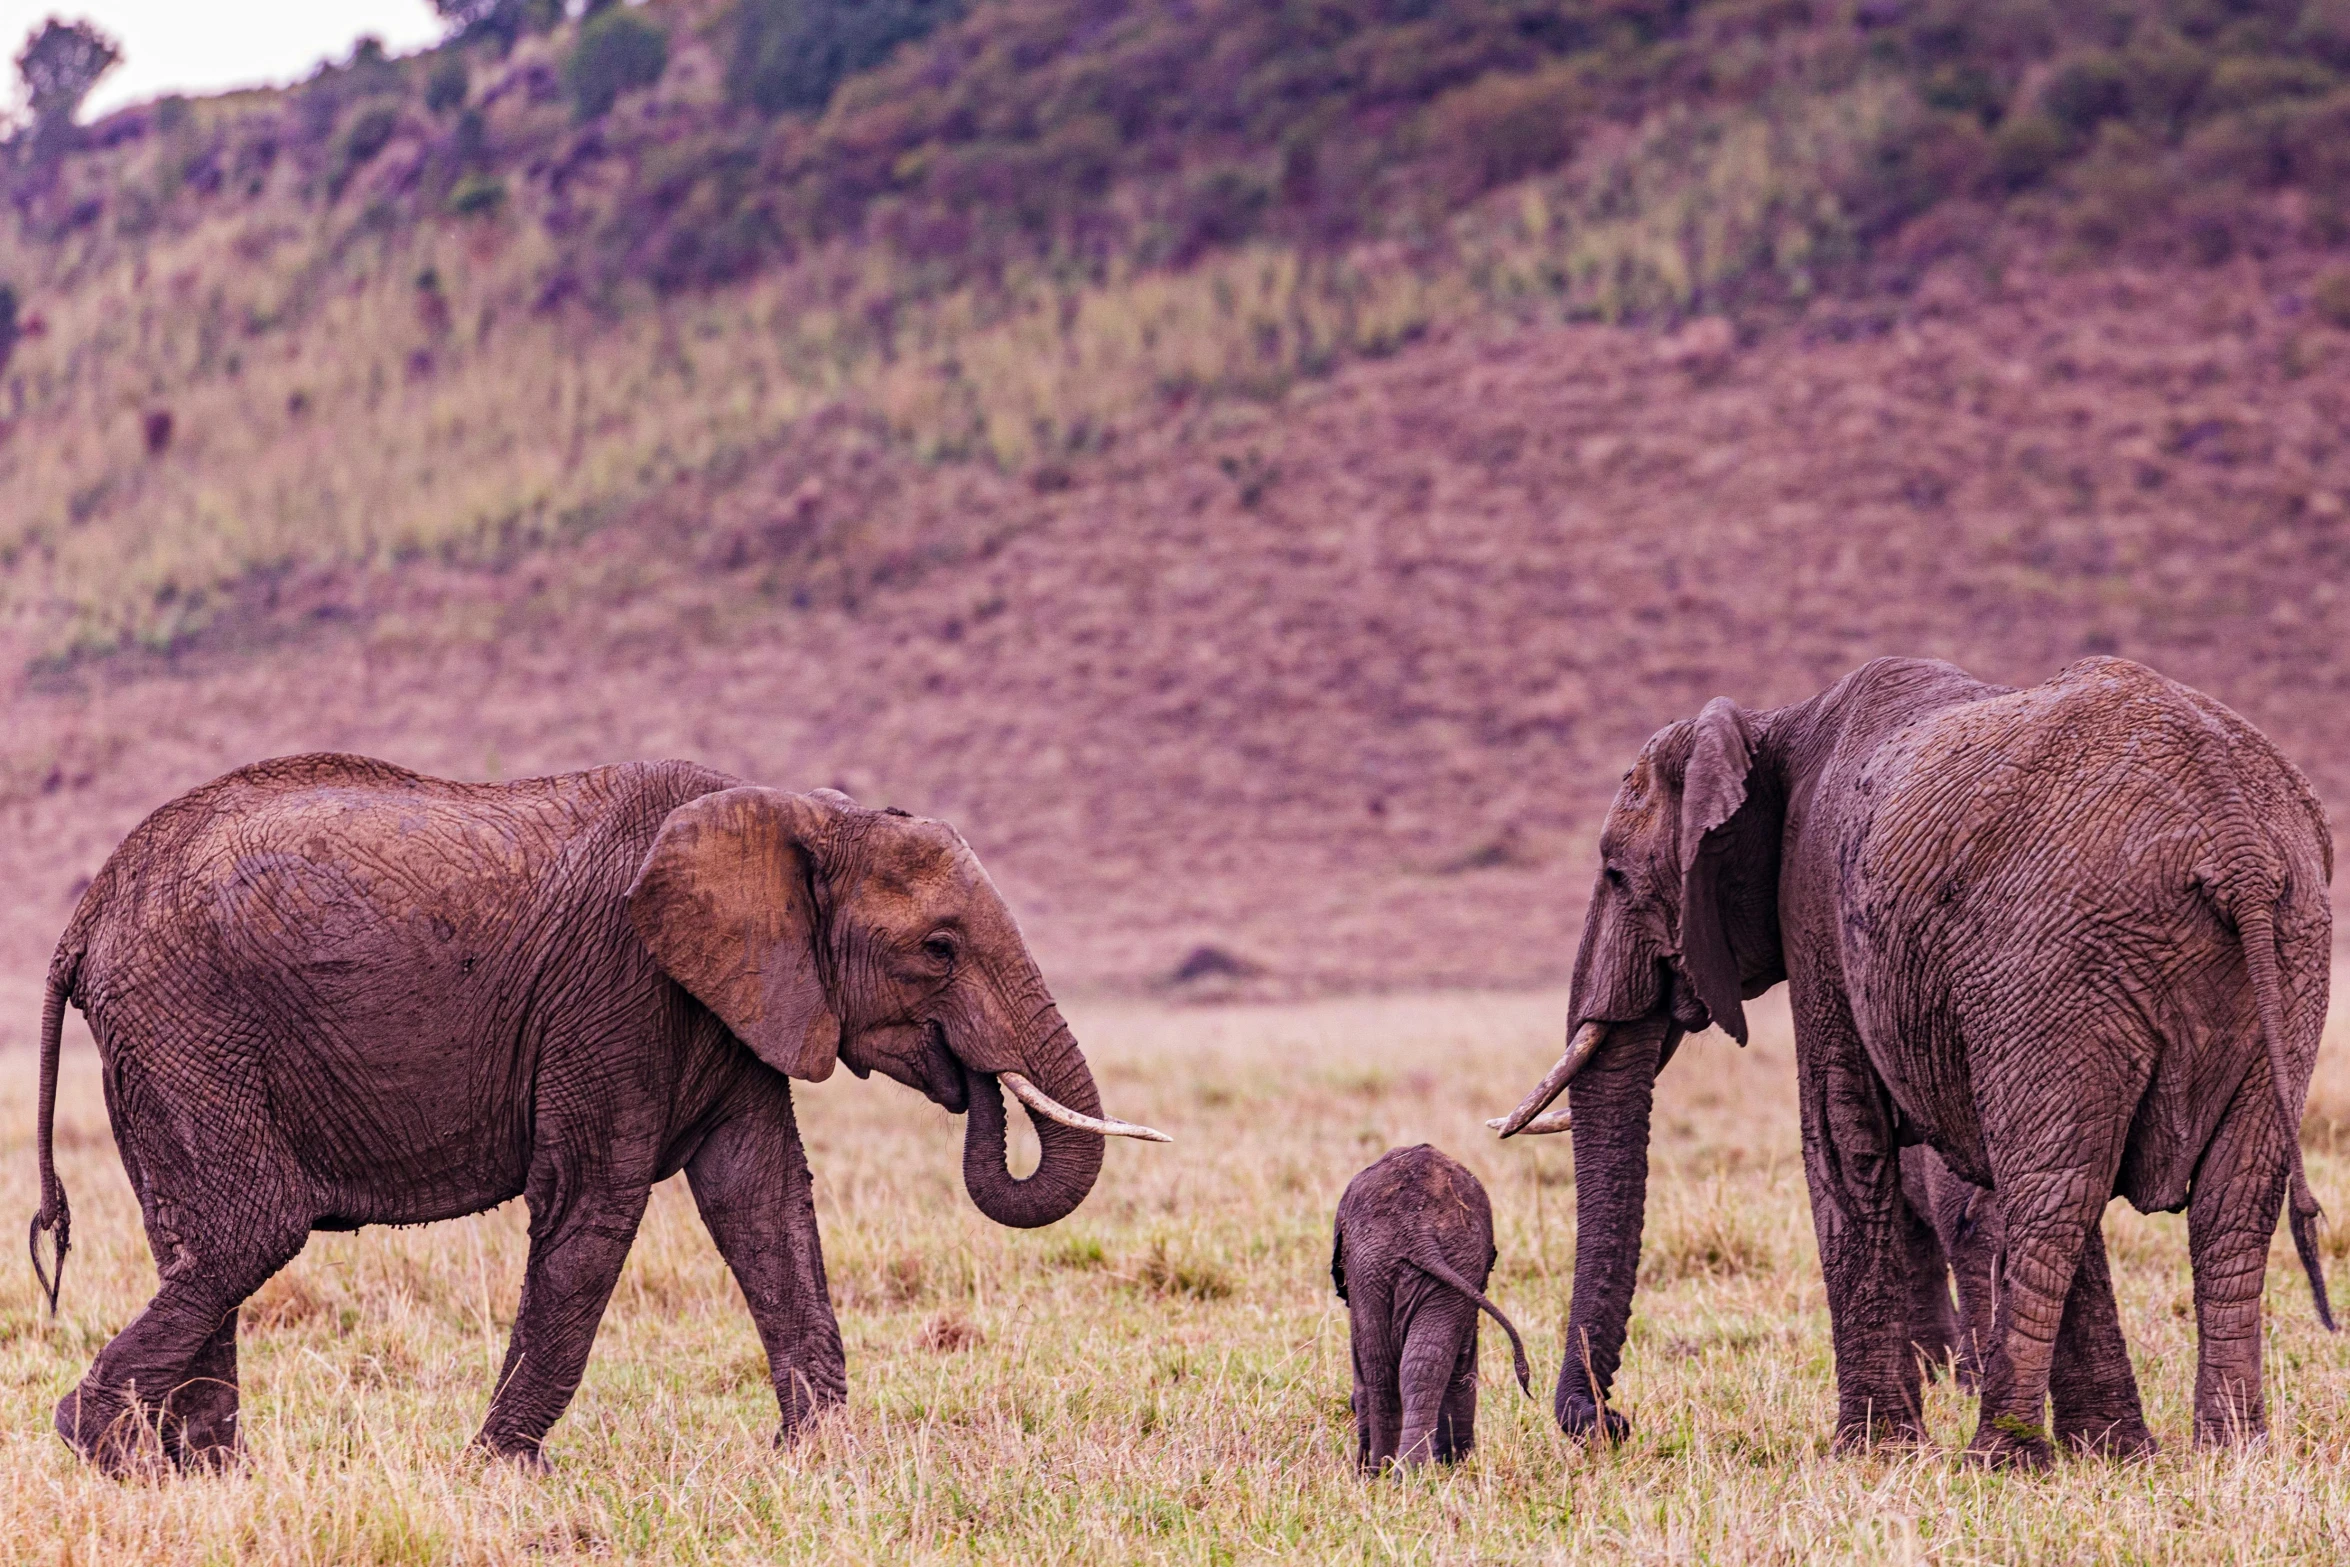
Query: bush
[[1506, 125], [9, 327], [446, 86], [2024, 149], [2243, 83], [477, 195], [2091, 90], [2330, 297], [788, 55], [619, 51]]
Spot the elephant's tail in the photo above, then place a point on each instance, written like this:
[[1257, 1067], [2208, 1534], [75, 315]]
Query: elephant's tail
[[55, 1218], [1424, 1258], [2256, 926]]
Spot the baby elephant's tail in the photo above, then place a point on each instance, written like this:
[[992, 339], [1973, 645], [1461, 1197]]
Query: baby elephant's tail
[[1425, 1259], [2257, 928]]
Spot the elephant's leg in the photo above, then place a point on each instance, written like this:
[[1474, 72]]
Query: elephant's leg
[[2231, 1213], [2049, 1216], [2091, 1387], [1378, 1396], [1432, 1350], [200, 1418], [1933, 1327], [1456, 1421], [581, 1228], [121, 1411], [1966, 1218], [1853, 1172], [750, 1180]]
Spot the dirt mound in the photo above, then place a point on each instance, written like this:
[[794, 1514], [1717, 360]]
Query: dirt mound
[[1337, 688]]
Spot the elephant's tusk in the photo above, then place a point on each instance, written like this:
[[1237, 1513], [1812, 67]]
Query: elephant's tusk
[[1052, 1109], [1580, 1050], [1542, 1125]]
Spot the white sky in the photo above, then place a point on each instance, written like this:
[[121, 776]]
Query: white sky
[[201, 46]]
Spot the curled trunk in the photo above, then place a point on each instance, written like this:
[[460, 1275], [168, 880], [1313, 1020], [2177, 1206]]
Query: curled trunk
[[1610, 1101], [1071, 1158]]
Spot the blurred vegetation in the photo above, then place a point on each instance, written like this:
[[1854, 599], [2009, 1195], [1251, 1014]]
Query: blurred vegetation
[[618, 51], [1015, 228]]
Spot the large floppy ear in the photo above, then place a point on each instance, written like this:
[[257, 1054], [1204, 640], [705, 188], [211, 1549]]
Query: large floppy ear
[[1711, 792], [726, 901]]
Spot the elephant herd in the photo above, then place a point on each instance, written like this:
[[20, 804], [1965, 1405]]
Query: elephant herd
[[2043, 948]]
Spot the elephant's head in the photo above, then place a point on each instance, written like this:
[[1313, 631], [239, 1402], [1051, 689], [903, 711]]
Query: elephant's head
[[819, 930], [1682, 926]]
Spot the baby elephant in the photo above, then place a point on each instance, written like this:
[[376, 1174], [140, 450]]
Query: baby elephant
[[1414, 1245]]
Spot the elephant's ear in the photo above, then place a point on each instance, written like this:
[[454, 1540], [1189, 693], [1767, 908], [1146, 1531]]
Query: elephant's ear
[[1711, 792], [726, 901]]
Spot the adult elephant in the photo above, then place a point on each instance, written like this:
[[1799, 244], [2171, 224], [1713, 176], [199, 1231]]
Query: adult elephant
[[2073, 938], [329, 992]]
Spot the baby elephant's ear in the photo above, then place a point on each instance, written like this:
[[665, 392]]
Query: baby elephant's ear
[[726, 902]]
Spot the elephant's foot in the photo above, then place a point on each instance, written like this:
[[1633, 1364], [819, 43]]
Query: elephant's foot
[[526, 1453], [1859, 1435], [115, 1433], [2011, 1442], [2118, 1437], [205, 1439], [2231, 1427], [804, 1404], [1583, 1419]]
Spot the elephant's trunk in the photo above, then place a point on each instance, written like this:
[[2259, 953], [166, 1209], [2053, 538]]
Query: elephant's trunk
[[1609, 1100], [1072, 1158]]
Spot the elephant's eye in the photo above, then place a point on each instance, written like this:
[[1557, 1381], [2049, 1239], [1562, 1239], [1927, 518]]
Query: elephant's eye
[[940, 949], [1615, 878]]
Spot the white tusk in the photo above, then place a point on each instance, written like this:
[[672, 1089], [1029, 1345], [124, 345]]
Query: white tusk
[[1580, 1050], [1542, 1125], [1052, 1109]]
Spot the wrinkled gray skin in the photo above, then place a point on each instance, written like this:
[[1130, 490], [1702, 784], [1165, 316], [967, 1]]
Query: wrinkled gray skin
[[328, 992], [1410, 1253], [2075, 939]]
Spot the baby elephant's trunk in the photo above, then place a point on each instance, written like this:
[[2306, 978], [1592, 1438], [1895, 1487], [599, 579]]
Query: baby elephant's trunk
[[1424, 1258]]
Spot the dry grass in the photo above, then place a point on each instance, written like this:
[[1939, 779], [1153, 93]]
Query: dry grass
[[1161, 1378]]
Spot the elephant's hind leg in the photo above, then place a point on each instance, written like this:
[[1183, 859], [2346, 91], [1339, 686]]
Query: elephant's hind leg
[[1432, 1355], [126, 1414], [2231, 1213], [200, 1417], [750, 1180]]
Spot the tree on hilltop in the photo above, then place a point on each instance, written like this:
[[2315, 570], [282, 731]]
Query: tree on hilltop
[[60, 63], [502, 21]]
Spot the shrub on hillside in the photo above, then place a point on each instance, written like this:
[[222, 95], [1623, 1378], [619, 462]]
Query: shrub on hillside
[[788, 55], [618, 51], [2330, 297], [446, 86], [1505, 126], [2026, 148]]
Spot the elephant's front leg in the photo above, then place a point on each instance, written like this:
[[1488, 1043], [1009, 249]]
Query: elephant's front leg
[[2091, 1387], [1853, 1171], [582, 1224], [750, 1180]]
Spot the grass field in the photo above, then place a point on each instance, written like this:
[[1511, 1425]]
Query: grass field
[[1163, 1377]]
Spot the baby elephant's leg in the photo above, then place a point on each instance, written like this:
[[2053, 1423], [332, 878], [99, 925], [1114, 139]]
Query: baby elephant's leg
[[1441, 1330]]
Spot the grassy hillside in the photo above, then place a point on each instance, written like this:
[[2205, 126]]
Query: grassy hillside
[[449, 308]]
